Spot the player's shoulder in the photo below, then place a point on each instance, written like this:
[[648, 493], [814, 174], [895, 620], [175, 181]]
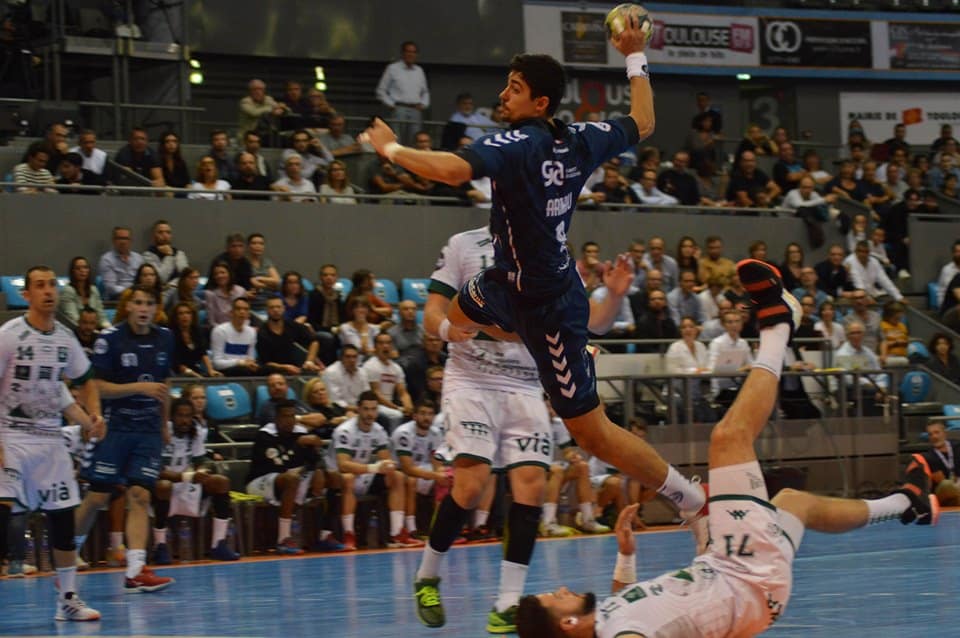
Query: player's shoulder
[[347, 426], [403, 428], [61, 331], [472, 237], [14, 326]]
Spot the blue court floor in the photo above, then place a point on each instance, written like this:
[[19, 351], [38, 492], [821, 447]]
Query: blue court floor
[[886, 580]]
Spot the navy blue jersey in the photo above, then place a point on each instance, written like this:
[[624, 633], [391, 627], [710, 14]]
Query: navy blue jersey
[[120, 356], [537, 173]]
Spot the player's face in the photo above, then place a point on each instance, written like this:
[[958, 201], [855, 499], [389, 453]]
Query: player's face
[[565, 603], [41, 291], [517, 102], [424, 417], [140, 309], [286, 419], [367, 412], [183, 420]]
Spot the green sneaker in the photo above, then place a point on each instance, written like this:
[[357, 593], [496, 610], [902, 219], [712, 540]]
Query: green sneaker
[[429, 607], [502, 622]]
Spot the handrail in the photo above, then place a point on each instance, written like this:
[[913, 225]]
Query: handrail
[[773, 212]]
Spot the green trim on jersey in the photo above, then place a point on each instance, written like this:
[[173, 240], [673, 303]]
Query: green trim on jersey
[[404, 453], [743, 497], [377, 449], [83, 378], [441, 289], [789, 540], [345, 450]]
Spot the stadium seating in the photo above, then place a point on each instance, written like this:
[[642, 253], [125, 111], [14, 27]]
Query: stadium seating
[[12, 287], [915, 387], [952, 410], [263, 396], [932, 297], [386, 290], [415, 290], [228, 402], [344, 285]]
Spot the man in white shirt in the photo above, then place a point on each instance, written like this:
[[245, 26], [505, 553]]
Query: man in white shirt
[[805, 197], [729, 353], [855, 355], [646, 191], [403, 89], [683, 301], [345, 380], [94, 159], [388, 381], [948, 272], [233, 343], [294, 181], [118, 267], [867, 273], [477, 124]]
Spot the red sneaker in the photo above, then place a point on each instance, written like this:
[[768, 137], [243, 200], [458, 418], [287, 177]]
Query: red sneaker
[[146, 581], [404, 539], [349, 542]]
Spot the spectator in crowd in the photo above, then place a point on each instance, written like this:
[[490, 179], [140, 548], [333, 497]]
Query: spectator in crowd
[[810, 206], [80, 294], [190, 358], [868, 319], [639, 299], [829, 328], [293, 181], [407, 335], [788, 170], [709, 185], [657, 258], [948, 272], [792, 266], [747, 181], [845, 184], [118, 266], [475, 124], [337, 187], [168, 260], [939, 173], [646, 191], [390, 178], [931, 205], [683, 300], [72, 173], [678, 183], [950, 147], [297, 104], [219, 299], [946, 134], [148, 277], [317, 398], [714, 265], [208, 184], [326, 310], [859, 157], [728, 353], [257, 109], [756, 142], [294, 297], [590, 266], [704, 108], [867, 274], [363, 286], [170, 158], [758, 250], [248, 179], [878, 197], [320, 112], [709, 298], [951, 187], [832, 275], [858, 231], [942, 360], [434, 389], [856, 354], [856, 135], [895, 223], [713, 328], [893, 183], [286, 346], [897, 159], [403, 90], [808, 286], [313, 155], [94, 159], [623, 322], [894, 336], [637, 250], [54, 144], [345, 379], [265, 279], [87, 329], [941, 459], [878, 249], [357, 331], [261, 166], [808, 320], [187, 291], [689, 355], [279, 392], [701, 143], [220, 153], [388, 382], [896, 143], [137, 157], [233, 343], [813, 167], [613, 189], [33, 171], [687, 255], [337, 140], [655, 322], [417, 363]]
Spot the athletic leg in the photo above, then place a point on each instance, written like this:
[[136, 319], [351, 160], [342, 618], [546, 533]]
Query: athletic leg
[[162, 493]]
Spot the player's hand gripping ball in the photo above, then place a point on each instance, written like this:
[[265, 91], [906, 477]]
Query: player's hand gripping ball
[[616, 20]]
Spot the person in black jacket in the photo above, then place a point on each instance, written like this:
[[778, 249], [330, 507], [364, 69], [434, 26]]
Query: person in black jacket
[[326, 310], [942, 458]]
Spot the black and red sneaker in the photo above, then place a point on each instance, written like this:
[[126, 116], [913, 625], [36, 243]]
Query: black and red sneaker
[[773, 304], [924, 507]]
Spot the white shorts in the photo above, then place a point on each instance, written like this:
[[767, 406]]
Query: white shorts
[[186, 499], [752, 544], [38, 474], [425, 486], [597, 480], [264, 486], [504, 429]]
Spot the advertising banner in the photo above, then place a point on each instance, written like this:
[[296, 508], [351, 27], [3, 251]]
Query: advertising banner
[[923, 114], [815, 43], [924, 45], [584, 38], [716, 40]]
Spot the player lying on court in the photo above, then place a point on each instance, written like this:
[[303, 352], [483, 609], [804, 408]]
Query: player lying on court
[[741, 584]]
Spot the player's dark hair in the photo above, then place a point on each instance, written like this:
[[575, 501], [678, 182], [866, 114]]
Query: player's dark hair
[[367, 395], [348, 346], [425, 403], [33, 269], [288, 404], [180, 402], [147, 290], [543, 75], [535, 621]]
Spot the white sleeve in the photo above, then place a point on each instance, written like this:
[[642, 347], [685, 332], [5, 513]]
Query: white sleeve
[[447, 270], [884, 281], [942, 283], [79, 364], [217, 354]]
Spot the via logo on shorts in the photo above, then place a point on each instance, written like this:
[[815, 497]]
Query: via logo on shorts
[[57, 493]]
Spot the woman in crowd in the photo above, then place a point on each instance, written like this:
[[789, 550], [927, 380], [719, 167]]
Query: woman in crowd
[[147, 276], [337, 186], [687, 253], [218, 300], [266, 278], [358, 331], [80, 293], [791, 266], [175, 172], [295, 298], [701, 143], [828, 327], [316, 397], [894, 337], [190, 357], [208, 182], [187, 291], [857, 232], [363, 282], [942, 360], [846, 184], [757, 141], [687, 355], [812, 164]]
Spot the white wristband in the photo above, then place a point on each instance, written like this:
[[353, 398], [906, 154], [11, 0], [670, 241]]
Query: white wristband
[[187, 477], [373, 468], [637, 66], [444, 330], [390, 148], [626, 569]]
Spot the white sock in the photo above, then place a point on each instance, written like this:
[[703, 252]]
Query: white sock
[[411, 523], [220, 527], [888, 508], [283, 529], [136, 559], [586, 512], [773, 347], [396, 522], [347, 521], [549, 515], [684, 494], [429, 563], [513, 576], [480, 518], [116, 539], [159, 537], [325, 534], [67, 579]]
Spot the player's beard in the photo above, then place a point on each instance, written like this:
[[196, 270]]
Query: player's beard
[[589, 603]]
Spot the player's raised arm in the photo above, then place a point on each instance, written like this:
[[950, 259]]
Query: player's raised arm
[[631, 42], [625, 572], [439, 166]]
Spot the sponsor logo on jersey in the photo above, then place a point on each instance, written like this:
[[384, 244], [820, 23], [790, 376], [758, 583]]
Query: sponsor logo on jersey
[[473, 288], [475, 429], [738, 515], [56, 493], [552, 172], [128, 360], [557, 206]]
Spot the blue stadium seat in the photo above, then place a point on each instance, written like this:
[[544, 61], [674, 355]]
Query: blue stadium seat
[[344, 285], [952, 410], [932, 296], [917, 352], [915, 386], [12, 285], [420, 317], [307, 284], [228, 402], [98, 282], [386, 290], [263, 396], [415, 290], [111, 314], [202, 283]]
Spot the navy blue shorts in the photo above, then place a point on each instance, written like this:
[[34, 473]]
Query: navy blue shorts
[[554, 329], [125, 457]]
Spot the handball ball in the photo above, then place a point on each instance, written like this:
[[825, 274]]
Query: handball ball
[[616, 20]]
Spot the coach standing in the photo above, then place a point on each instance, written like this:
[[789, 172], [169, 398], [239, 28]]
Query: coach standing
[[403, 89]]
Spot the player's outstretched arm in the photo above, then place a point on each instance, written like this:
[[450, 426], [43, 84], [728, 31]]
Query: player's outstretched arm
[[439, 166], [633, 40], [625, 572]]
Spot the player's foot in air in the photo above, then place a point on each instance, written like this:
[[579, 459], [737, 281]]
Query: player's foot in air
[[70, 607], [223, 552], [556, 530], [774, 304], [502, 622], [699, 521], [161, 555], [924, 507], [426, 593], [146, 581]]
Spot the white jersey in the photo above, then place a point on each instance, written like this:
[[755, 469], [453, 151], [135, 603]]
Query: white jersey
[[33, 365], [73, 438], [387, 376], [477, 363], [179, 453], [408, 441], [362, 446], [561, 437], [600, 468]]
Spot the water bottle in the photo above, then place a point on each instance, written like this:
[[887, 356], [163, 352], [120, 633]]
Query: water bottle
[[373, 531], [185, 540], [30, 550], [44, 562], [232, 536], [295, 531]]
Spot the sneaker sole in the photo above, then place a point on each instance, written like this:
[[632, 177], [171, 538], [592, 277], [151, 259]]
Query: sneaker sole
[[503, 629], [934, 510], [146, 589], [60, 618]]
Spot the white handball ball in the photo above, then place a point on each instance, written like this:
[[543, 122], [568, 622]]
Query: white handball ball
[[616, 20]]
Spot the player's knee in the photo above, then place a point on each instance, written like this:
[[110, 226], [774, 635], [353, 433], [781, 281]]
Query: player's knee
[[347, 480], [162, 490], [580, 469], [138, 495], [217, 484], [727, 435], [789, 499]]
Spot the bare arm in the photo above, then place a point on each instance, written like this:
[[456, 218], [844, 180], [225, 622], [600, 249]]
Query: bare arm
[[626, 546], [439, 166], [408, 467], [634, 40]]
